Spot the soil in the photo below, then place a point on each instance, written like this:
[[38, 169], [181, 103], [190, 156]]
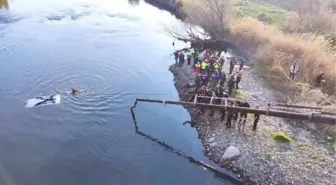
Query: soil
[[309, 159]]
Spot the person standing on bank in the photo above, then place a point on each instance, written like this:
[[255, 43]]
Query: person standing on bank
[[241, 65], [232, 64], [238, 79], [176, 53], [229, 117], [294, 68], [320, 79], [189, 55], [231, 83], [243, 114], [181, 59], [256, 120]]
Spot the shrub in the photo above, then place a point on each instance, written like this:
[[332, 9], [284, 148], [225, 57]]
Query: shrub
[[281, 136], [275, 48]]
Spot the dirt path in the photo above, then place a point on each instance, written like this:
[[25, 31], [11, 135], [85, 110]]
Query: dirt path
[[307, 160]]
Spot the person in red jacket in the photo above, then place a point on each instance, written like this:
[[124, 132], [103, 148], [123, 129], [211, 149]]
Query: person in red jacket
[[181, 59], [198, 67]]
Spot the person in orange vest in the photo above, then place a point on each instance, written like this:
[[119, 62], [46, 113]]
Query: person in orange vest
[[198, 67], [238, 79]]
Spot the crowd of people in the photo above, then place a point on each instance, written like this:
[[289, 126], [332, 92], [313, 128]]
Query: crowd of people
[[210, 81]]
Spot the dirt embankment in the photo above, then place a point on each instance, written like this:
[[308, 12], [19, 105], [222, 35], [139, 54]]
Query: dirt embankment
[[306, 160]]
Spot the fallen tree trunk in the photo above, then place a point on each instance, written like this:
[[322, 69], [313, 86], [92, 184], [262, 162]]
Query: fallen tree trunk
[[282, 114]]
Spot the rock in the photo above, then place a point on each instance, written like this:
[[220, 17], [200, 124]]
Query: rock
[[230, 153], [213, 144], [212, 139], [311, 126]]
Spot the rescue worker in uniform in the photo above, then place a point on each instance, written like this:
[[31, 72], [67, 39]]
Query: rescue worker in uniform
[[204, 66], [189, 55]]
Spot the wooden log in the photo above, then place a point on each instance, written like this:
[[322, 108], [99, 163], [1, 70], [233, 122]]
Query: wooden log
[[282, 114]]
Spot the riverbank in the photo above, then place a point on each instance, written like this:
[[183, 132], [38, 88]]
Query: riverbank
[[307, 159]]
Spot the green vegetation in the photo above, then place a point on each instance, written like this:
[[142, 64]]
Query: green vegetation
[[239, 94], [266, 13], [281, 136]]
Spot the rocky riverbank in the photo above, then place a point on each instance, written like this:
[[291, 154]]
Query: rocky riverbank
[[306, 160]]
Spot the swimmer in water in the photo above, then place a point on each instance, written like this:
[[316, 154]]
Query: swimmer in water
[[74, 91]]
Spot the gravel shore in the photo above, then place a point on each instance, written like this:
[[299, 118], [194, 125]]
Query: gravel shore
[[308, 160]]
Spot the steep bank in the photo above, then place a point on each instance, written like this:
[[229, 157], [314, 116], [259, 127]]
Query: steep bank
[[305, 160]]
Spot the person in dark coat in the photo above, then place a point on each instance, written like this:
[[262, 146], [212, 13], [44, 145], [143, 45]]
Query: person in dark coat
[[241, 65], [235, 114], [243, 114], [223, 78], [198, 80], [181, 59], [319, 79], [232, 64], [256, 120], [230, 116], [231, 83], [223, 104]]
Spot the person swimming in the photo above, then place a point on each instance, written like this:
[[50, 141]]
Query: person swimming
[[74, 91]]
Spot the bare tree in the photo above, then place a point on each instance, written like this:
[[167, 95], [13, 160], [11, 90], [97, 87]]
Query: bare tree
[[206, 18]]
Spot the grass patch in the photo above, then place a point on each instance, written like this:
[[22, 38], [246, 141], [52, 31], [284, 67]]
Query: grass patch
[[313, 156], [250, 116], [281, 137], [304, 146], [273, 14], [239, 94]]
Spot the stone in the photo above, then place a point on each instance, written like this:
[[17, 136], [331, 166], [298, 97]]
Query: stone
[[212, 139], [213, 144], [230, 153], [311, 126]]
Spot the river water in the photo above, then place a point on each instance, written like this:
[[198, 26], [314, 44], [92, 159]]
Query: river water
[[113, 51]]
